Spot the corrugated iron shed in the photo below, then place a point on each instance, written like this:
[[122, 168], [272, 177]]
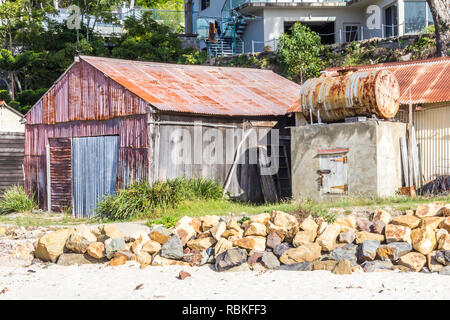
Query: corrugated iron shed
[[202, 89]]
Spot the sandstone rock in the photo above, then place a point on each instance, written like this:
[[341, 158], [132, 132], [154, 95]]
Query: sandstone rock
[[80, 239], [409, 212], [396, 233], [218, 230], [172, 248], [159, 236], [221, 246], [430, 209], [382, 215], [118, 261], [423, 240], [183, 275], [254, 257], [302, 266], [269, 260], [273, 240], [144, 259], [347, 252], [51, 246], [445, 224], [357, 269], [280, 231], [364, 236], [347, 224], [378, 227], [262, 218], [159, 261], [112, 245], [96, 250], [309, 225], [444, 242], [209, 221], [413, 260], [347, 237], [201, 244], [343, 267], [68, 259], [432, 262], [127, 254], [327, 265], [139, 242], [110, 231], [233, 225], [258, 267], [256, 229], [322, 227], [185, 231], [387, 253], [151, 247], [327, 240], [305, 253], [377, 266], [231, 258], [364, 224], [303, 237], [245, 243], [290, 235], [367, 251], [239, 268], [260, 243], [138, 235], [446, 210], [196, 257], [233, 233], [284, 220], [16, 253], [431, 222], [409, 221], [281, 248], [2, 231], [196, 223]]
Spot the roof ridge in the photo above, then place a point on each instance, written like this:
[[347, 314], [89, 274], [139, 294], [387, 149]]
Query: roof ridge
[[396, 63]]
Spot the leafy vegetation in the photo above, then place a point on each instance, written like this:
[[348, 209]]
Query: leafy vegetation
[[141, 199], [16, 200]]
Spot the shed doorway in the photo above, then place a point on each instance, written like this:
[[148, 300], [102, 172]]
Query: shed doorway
[[94, 162]]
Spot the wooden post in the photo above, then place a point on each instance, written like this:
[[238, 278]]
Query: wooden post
[[410, 143]]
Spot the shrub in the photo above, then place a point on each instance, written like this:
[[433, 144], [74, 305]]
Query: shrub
[[16, 200], [141, 199], [5, 96]]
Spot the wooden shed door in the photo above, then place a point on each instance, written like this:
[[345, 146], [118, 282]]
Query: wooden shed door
[[334, 167], [60, 174], [94, 161]]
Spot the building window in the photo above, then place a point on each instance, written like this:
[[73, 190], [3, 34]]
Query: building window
[[390, 21], [351, 32], [415, 16], [430, 16], [205, 4]]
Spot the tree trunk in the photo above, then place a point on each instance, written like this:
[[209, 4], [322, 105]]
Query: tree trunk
[[440, 9], [11, 76]]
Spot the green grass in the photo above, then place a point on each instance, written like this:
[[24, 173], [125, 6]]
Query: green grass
[[16, 200]]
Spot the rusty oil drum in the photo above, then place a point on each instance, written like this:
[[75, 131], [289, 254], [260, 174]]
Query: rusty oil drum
[[359, 93]]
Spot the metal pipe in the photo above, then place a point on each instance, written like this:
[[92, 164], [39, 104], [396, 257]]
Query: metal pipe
[[184, 123]]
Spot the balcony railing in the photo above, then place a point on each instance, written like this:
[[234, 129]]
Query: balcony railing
[[233, 4]]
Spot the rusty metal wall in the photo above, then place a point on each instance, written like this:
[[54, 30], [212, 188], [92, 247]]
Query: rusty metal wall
[[60, 173], [433, 137], [354, 94], [85, 103]]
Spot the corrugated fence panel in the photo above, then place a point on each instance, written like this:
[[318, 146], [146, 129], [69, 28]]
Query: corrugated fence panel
[[95, 164], [11, 160], [433, 137]]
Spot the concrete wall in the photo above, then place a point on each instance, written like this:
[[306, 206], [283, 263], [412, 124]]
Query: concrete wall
[[374, 154]]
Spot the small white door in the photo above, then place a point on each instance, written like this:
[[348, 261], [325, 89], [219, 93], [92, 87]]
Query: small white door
[[333, 169]]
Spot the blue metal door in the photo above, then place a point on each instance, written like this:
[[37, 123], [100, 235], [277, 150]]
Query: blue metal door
[[94, 163]]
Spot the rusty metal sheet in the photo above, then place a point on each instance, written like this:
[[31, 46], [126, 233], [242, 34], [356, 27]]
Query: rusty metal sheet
[[201, 89], [428, 79]]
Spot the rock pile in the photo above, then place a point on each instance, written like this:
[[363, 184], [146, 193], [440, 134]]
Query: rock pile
[[419, 240]]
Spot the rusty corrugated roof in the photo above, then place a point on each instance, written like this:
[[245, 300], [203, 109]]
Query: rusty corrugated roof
[[202, 89], [428, 79]]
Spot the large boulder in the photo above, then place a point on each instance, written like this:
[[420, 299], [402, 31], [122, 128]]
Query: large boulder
[[445, 224], [347, 252], [382, 215], [343, 267], [303, 237], [202, 243], [396, 233], [347, 237], [221, 246], [80, 239], [364, 236], [269, 260], [209, 221], [377, 266], [159, 261], [423, 240], [327, 240], [172, 248], [52, 245], [96, 250], [262, 218], [273, 240], [284, 220], [347, 224], [430, 209], [305, 253], [231, 258], [280, 231], [218, 230], [434, 261], [160, 235], [413, 260], [302, 266], [309, 225], [444, 242], [324, 265], [185, 231], [256, 229], [367, 251], [68, 259], [431, 222], [409, 221], [113, 245], [279, 249], [363, 224], [151, 247]]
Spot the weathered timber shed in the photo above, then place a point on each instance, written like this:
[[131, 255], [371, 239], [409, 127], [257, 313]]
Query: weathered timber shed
[[428, 81], [108, 122], [11, 147]]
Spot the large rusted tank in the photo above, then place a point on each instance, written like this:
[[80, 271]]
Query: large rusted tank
[[355, 93]]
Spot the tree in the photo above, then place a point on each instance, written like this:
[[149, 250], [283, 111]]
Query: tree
[[440, 9], [299, 53]]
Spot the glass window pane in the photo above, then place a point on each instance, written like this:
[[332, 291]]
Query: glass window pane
[[415, 19], [430, 16]]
